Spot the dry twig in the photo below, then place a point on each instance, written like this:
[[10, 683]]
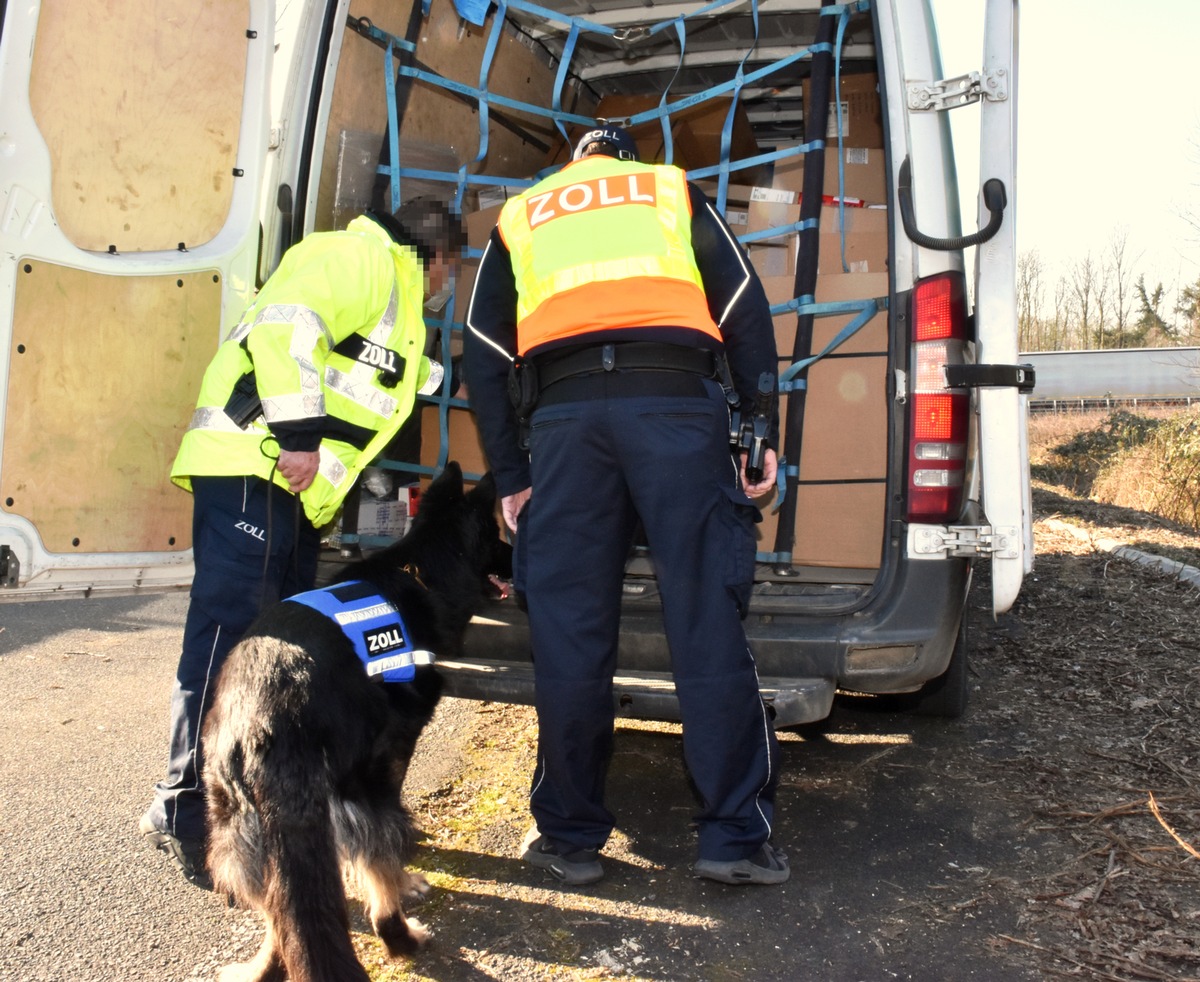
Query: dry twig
[[1174, 835]]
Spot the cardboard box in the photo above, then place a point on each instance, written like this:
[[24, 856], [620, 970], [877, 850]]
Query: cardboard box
[[845, 420], [648, 136], [773, 259], [837, 525], [480, 224], [695, 134], [866, 240], [736, 195], [772, 208], [464, 444], [861, 110], [780, 289], [872, 336], [863, 172]]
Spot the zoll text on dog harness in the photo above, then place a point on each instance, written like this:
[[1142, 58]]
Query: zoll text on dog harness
[[373, 625]]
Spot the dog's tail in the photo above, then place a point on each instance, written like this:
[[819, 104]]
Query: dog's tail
[[272, 846], [305, 900]]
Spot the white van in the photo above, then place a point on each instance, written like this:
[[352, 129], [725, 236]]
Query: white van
[[157, 164]]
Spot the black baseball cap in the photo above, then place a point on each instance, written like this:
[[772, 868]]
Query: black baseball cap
[[611, 141]]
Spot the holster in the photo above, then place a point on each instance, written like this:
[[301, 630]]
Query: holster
[[523, 391], [244, 403]]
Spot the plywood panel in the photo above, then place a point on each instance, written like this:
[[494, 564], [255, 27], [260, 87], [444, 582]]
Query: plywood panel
[[104, 374], [140, 106], [433, 115]]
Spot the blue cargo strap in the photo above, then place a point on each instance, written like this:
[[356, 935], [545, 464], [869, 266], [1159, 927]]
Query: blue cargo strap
[[804, 305], [372, 625]]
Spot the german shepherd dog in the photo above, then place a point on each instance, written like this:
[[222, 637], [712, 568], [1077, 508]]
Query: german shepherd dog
[[306, 755]]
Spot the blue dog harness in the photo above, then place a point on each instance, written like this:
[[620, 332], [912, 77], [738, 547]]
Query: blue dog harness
[[374, 627]]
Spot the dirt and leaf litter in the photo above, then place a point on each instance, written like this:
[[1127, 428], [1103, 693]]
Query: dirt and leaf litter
[[1050, 833]]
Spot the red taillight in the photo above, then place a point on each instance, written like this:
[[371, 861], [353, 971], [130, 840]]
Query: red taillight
[[939, 416], [937, 309]]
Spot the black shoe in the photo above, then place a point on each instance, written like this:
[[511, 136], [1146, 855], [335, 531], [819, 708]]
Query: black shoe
[[767, 866], [188, 855], [573, 868]]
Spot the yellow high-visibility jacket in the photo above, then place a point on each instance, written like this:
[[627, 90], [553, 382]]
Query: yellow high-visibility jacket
[[355, 291]]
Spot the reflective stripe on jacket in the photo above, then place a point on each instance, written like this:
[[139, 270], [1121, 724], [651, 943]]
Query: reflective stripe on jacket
[[600, 245], [328, 288]]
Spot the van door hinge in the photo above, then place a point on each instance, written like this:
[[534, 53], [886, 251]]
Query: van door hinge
[[1020, 377], [950, 93], [10, 567], [963, 541]]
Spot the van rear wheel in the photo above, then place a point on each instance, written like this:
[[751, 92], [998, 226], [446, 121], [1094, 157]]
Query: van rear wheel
[[947, 695]]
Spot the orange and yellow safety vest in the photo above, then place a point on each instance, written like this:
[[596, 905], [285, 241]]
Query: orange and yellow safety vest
[[604, 244]]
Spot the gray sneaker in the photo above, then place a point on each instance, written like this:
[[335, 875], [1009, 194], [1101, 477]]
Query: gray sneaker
[[767, 866], [573, 868], [188, 855]]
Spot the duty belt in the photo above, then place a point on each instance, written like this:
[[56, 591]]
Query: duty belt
[[627, 356]]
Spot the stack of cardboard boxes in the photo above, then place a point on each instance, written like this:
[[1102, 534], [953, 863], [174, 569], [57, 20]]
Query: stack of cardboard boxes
[[843, 457]]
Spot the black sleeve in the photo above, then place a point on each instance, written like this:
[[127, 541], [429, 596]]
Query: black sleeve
[[300, 435], [489, 346], [737, 302]]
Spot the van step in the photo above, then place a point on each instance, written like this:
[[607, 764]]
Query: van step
[[647, 695]]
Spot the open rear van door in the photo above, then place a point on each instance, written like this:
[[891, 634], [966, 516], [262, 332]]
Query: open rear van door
[[1003, 405], [134, 144]]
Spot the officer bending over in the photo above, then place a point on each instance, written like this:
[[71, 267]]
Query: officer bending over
[[609, 295], [307, 390]]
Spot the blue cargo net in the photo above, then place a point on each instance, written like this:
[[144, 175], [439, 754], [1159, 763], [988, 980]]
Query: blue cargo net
[[449, 325]]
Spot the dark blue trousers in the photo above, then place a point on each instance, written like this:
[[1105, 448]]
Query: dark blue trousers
[[598, 465], [235, 524]]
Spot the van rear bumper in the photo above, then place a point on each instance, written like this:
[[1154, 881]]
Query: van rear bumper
[[897, 639], [645, 695]]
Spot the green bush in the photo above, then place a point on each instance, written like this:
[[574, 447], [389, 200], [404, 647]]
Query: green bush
[[1159, 474], [1078, 462]]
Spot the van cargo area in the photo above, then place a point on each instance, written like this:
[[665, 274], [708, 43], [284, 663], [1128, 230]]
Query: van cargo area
[[820, 133]]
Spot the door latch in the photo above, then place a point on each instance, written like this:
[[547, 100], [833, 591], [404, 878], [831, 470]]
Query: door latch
[[1020, 377]]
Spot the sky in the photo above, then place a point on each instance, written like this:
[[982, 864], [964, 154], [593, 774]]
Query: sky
[[1108, 133]]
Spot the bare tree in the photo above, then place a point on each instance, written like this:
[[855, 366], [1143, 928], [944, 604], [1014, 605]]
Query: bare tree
[[1063, 315], [1030, 326], [1102, 290], [1192, 215], [1121, 267], [1084, 282]]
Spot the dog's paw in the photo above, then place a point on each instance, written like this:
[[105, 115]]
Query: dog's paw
[[402, 935], [417, 889], [419, 932]]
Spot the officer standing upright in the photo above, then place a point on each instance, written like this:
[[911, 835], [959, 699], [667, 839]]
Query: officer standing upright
[[308, 389], [608, 300]]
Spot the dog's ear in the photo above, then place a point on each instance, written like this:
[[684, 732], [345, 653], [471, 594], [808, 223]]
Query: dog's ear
[[449, 482], [484, 492]]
